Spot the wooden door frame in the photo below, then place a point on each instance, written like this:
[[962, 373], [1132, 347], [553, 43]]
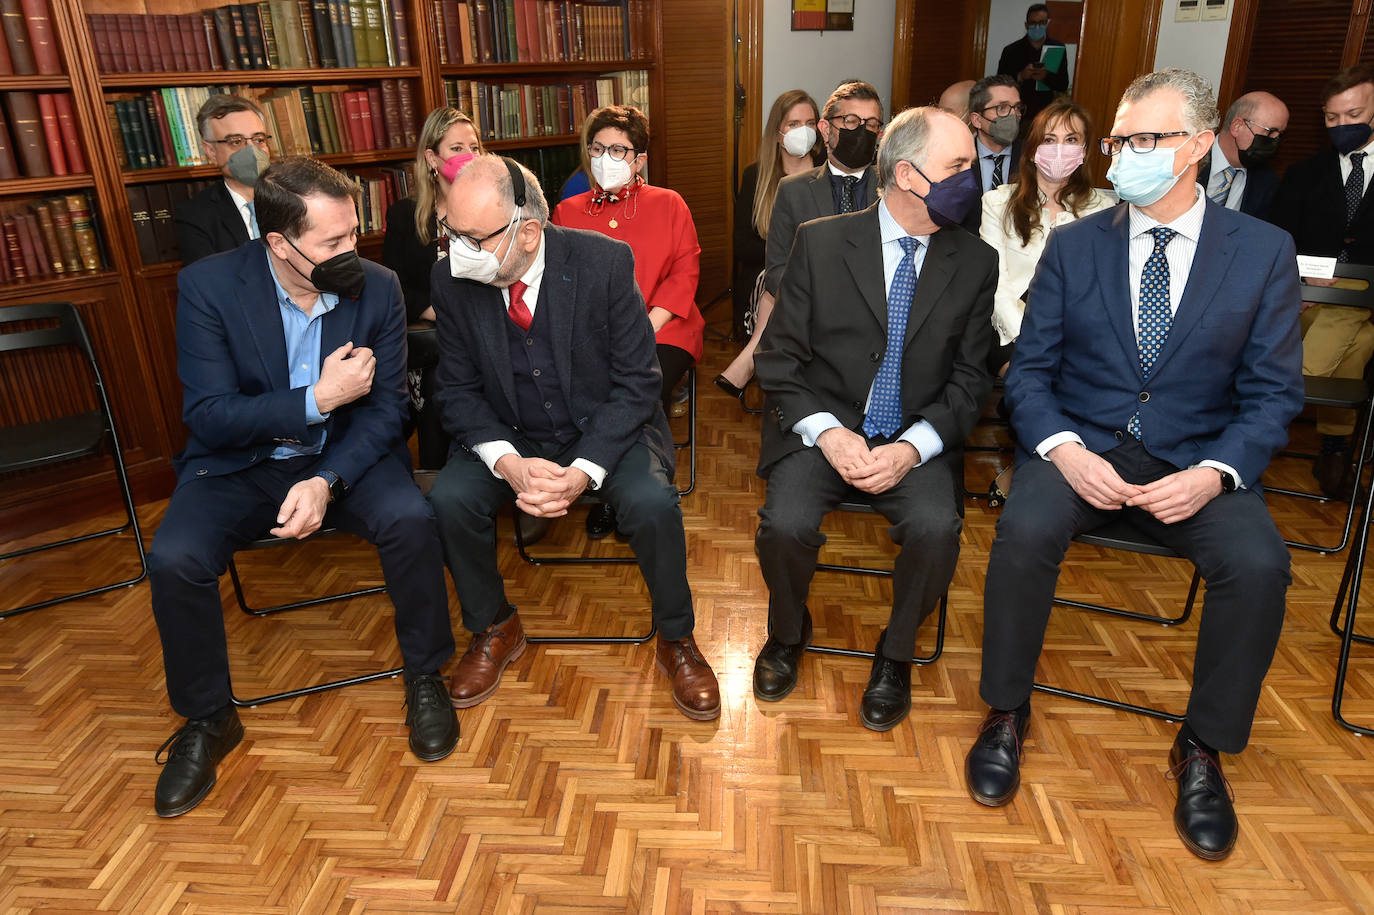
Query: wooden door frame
[[971, 56], [748, 75]]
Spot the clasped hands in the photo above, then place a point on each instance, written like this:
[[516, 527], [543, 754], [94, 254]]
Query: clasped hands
[[871, 470], [1171, 498], [542, 488]]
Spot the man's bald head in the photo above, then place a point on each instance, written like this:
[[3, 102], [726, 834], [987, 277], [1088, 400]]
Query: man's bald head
[[955, 98]]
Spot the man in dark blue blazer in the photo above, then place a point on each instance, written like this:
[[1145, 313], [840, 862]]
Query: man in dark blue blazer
[[548, 382], [1155, 377], [291, 353], [995, 112], [1236, 172]]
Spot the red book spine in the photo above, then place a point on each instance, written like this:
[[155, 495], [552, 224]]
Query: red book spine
[[375, 118], [164, 130], [391, 114], [41, 36], [71, 142], [6, 68], [410, 124], [100, 37], [9, 168], [337, 100], [14, 254], [28, 246], [27, 133], [356, 131], [123, 43]]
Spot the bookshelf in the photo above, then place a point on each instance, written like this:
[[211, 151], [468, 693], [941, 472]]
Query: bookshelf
[[130, 303]]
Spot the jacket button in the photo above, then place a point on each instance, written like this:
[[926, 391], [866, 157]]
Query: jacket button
[[856, 405], [1119, 435], [536, 373], [1144, 396], [201, 472], [872, 357]]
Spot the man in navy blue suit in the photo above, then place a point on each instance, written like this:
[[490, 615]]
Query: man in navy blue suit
[[1156, 375], [291, 353]]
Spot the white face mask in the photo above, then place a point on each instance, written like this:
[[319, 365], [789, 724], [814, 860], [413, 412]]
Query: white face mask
[[610, 174], [799, 140], [478, 266]]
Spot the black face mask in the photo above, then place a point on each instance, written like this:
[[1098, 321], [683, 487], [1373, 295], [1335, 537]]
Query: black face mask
[[855, 148], [1262, 149], [342, 274]]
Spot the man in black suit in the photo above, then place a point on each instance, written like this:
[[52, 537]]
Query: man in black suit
[[221, 217], [875, 369], [1022, 60], [1236, 173], [1325, 204], [994, 113], [850, 125], [548, 381]]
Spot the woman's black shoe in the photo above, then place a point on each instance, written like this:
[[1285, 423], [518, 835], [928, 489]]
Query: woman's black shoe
[[729, 388]]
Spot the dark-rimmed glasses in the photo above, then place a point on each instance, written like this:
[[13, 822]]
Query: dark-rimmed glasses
[[1139, 142]]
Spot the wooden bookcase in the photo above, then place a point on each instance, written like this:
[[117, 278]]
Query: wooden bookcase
[[131, 308]]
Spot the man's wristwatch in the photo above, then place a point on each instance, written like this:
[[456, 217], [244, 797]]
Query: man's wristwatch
[[337, 487], [1228, 482]]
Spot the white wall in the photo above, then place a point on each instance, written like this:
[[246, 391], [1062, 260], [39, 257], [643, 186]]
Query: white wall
[[820, 61], [1199, 46], [1007, 23]]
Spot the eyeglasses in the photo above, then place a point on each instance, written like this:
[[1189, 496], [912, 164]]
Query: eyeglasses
[[475, 244], [236, 140], [1272, 132], [851, 121], [1139, 142], [1038, 21], [617, 151], [1005, 108]]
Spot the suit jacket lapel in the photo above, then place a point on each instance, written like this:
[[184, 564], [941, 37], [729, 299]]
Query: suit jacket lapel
[[488, 317], [230, 217], [1114, 249], [262, 316], [820, 193], [1215, 248], [936, 273], [864, 243], [557, 298], [336, 328]]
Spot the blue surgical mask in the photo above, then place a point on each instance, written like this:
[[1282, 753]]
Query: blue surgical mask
[[1036, 32], [1143, 178], [1349, 137], [948, 201]]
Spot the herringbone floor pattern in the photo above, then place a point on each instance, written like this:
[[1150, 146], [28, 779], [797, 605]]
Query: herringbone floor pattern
[[579, 788]]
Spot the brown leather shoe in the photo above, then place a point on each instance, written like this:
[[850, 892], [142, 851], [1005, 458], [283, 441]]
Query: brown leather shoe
[[695, 691], [479, 670]]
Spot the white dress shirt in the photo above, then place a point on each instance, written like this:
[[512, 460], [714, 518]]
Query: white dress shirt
[[491, 452], [1179, 254], [920, 434], [245, 210], [1214, 178], [1016, 261]]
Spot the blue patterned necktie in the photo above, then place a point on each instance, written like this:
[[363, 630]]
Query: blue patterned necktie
[[1228, 177], [1156, 317], [253, 232], [1354, 193], [884, 415]]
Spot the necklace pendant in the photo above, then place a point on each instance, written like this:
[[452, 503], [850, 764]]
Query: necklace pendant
[[615, 224]]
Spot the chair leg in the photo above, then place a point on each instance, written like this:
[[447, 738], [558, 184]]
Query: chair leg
[[1144, 617], [1361, 460], [1351, 581], [691, 443], [594, 639], [311, 690], [559, 560], [294, 605], [939, 649]]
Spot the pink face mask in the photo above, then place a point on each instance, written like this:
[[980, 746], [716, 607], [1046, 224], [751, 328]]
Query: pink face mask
[[1058, 161], [454, 165]]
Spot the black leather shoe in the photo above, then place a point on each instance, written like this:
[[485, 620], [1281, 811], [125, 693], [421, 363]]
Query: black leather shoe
[[1203, 816], [430, 716], [992, 769], [1335, 475], [193, 752], [729, 387], [600, 521], [775, 669], [887, 700]]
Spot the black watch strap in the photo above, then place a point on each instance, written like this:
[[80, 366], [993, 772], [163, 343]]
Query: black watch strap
[[337, 487], [1228, 482]]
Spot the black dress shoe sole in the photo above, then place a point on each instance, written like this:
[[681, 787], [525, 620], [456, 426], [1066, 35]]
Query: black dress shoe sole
[[486, 694], [436, 755], [201, 795], [987, 801], [887, 725], [1201, 852], [765, 697]]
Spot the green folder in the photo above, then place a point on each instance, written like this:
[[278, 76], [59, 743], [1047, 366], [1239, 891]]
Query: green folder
[[1052, 57]]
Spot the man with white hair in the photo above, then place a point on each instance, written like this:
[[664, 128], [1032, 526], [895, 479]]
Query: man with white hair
[[875, 370], [1155, 377]]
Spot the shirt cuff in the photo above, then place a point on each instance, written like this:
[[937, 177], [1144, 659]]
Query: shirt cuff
[[924, 439], [595, 472], [313, 416], [1054, 441], [1225, 468], [811, 427], [491, 452]]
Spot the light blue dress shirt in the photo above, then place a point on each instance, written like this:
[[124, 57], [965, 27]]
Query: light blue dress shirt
[[303, 359]]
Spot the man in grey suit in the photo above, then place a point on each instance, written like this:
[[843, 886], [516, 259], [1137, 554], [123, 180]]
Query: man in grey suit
[[548, 382], [851, 123], [875, 369]]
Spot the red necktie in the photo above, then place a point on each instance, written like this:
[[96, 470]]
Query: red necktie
[[517, 311]]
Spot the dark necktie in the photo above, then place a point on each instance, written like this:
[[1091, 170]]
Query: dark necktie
[[1354, 193], [847, 193], [517, 311], [884, 416], [996, 170], [1155, 315]]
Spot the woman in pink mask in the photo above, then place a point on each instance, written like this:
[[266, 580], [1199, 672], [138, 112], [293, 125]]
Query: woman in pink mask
[[414, 240], [1051, 188]]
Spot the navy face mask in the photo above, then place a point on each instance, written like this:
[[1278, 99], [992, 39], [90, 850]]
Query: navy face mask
[[1349, 137], [948, 201]]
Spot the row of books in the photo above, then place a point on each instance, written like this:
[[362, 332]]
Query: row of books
[[49, 238], [38, 136], [506, 111], [157, 129], [30, 47], [381, 187], [267, 35], [539, 31], [552, 165], [152, 207]]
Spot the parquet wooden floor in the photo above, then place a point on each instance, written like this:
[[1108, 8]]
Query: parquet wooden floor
[[579, 788]]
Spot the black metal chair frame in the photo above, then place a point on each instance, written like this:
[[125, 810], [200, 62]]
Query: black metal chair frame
[[1348, 393], [941, 618], [72, 436], [269, 542], [1118, 534], [1349, 595]]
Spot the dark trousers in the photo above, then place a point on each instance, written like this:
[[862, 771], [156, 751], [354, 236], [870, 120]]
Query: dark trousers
[[466, 497], [673, 362], [209, 518], [923, 509], [1232, 541]]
